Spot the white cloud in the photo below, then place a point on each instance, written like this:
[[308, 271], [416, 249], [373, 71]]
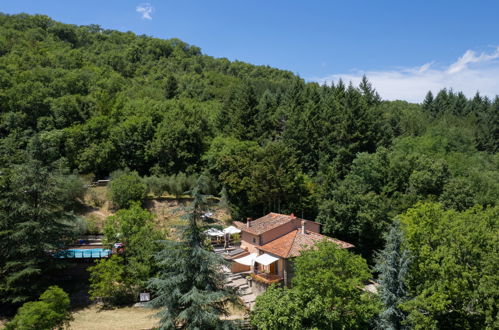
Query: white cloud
[[146, 10], [469, 73], [470, 57]]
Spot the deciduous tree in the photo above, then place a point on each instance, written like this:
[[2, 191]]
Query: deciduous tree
[[51, 311], [453, 274], [126, 187], [119, 279], [326, 293]]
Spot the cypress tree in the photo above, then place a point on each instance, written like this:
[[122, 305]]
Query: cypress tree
[[224, 200], [393, 266], [190, 288]]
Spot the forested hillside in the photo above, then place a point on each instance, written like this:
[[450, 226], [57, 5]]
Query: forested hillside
[[104, 100], [85, 100]]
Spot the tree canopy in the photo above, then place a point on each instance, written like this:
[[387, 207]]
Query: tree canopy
[[119, 279], [453, 274], [156, 114], [326, 293], [34, 223], [49, 312]]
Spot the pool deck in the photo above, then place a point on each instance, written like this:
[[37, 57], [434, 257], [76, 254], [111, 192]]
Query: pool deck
[[87, 246], [88, 242]]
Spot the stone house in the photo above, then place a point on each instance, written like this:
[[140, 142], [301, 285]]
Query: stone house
[[271, 242]]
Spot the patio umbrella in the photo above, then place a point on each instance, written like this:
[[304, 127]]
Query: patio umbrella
[[228, 232], [214, 232]]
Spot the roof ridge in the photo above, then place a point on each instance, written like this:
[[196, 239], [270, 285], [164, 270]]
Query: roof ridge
[[293, 242], [317, 234]]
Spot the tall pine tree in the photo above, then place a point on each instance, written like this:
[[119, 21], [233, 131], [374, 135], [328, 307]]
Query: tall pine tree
[[488, 132], [371, 96], [239, 111], [33, 223], [190, 286], [393, 266], [428, 102]]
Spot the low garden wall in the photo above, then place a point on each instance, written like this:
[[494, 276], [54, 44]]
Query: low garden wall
[[258, 286]]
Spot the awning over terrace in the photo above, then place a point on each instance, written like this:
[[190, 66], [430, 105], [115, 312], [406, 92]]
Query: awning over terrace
[[231, 230], [248, 260], [265, 259]]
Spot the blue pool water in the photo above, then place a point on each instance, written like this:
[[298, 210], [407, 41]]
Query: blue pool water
[[84, 253]]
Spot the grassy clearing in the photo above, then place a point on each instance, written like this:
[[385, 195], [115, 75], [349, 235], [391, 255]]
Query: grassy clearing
[[95, 207], [236, 312], [168, 211], [96, 196], [124, 318]]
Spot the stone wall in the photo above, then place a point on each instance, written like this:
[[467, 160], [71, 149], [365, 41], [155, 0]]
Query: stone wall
[[258, 287]]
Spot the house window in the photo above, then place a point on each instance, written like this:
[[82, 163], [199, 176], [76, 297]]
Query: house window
[[254, 240]]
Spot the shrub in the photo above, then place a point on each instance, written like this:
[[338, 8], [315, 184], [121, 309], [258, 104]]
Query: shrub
[[156, 185], [92, 226], [50, 312], [94, 198], [125, 188], [79, 224], [74, 188]]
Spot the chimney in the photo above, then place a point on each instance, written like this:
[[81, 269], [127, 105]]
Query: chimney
[[248, 222], [303, 231]]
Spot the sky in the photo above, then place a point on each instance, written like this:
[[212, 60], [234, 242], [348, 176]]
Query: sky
[[405, 48]]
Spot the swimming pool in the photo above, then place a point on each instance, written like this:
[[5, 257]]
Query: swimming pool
[[83, 253]]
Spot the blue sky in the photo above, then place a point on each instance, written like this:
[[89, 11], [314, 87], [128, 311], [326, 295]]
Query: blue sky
[[405, 47]]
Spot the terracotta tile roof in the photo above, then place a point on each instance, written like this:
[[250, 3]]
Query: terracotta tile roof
[[291, 244], [240, 225], [266, 223], [236, 256], [280, 246]]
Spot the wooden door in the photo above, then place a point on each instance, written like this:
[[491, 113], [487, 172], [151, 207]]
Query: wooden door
[[272, 269]]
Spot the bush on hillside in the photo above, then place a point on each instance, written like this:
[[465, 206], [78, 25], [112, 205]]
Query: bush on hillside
[[126, 187]]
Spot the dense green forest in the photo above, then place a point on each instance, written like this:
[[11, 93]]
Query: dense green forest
[[85, 100]]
